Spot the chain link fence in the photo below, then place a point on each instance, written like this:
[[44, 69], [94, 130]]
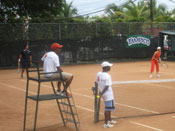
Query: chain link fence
[[81, 41]]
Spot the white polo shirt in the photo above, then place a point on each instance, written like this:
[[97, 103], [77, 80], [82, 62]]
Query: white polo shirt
[[51, 62], [104, 79]]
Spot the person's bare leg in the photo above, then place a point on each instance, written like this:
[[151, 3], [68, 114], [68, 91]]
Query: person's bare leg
[[68, 84], [23, 69], [59, 86], [107, 116]]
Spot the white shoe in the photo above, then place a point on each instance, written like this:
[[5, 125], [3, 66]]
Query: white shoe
[[158, 75], [112, 122], [150, 76], [108, 125], [59, 93]]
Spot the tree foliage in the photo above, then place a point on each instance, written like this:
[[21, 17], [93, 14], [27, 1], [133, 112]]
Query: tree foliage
[[20, 10], [131, 11], [59, 11], [35, 10]]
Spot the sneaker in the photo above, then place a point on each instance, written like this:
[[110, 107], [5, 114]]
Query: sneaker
[[108, 125], [59, 93], [68, 94], [150, 76], [158, 75], [112, 122]]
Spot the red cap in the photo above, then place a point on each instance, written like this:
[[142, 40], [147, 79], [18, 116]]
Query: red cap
[[56, 45]]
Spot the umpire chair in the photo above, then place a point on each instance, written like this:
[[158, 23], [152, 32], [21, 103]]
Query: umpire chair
[[65, 103]]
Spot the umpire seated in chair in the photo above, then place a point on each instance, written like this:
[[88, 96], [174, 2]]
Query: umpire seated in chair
[[50, 62]]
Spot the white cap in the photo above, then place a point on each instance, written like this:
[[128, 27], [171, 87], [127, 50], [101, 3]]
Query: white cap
[[159, 48], [105, 63]]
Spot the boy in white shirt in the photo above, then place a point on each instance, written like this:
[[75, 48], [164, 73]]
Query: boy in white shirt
[[51, 63], [104, 84]]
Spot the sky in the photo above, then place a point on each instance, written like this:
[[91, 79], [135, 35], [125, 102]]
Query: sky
[[89, 6]]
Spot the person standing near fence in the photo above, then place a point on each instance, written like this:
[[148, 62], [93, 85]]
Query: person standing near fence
[[105, 88], [51, 63], [165, 48], [25, 59], [155, 61]]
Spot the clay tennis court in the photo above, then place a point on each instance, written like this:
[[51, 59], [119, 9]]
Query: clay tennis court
[[149, 97]]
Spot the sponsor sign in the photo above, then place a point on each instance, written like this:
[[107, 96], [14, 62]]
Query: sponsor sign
[[134, 41]]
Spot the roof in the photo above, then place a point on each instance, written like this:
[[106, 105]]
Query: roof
[[169, 32]]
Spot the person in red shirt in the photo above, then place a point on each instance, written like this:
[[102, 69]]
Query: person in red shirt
[[155, 60]]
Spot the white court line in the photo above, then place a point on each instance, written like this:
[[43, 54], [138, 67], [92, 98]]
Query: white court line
[[168, 87], [87, 109], [84, 108], [77, 106], [129, 106], [133, 107], [91, 110], [16, 88], [168, 73], [142, 81], [35, 94], [137, 108], [161, 86], [153, 128]]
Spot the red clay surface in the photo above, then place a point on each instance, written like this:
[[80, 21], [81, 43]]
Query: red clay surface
[[131, 99]]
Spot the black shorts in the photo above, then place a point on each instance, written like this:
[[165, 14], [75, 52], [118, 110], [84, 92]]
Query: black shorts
[[25, 64]]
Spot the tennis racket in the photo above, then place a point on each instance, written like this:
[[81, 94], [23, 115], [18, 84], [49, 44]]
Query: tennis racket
[[96, 102], [98, 107], [164, 65]]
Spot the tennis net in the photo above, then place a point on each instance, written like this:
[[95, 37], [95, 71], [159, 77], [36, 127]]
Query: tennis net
[[142, 98]]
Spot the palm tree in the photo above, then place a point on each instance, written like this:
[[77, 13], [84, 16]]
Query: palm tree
[[160, 13], [112, 8], [173, 11], [68, 10], [133, 12]]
